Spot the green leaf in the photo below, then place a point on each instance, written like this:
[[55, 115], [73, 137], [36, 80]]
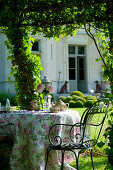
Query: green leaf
[[100, 144]]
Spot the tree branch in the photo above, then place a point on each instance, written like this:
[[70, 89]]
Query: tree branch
[[92, 36]]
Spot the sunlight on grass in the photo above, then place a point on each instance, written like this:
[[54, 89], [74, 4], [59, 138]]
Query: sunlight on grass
[[80, 110], [14, 108], [85, 163]]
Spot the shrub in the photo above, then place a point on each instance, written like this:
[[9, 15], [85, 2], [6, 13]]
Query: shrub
[[61, 98], [82, 99], [4, 96], [79, 98], [72, 104], [74, 97], [68, 99], [89, 103], [77, 93], [13, 101], [94, 98], [87, 97], [79, 104]]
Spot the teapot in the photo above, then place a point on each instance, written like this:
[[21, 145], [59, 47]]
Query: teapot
[[61, 105]]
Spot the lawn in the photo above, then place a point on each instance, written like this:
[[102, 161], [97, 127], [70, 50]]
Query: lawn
[[100, 160], [85, 163]]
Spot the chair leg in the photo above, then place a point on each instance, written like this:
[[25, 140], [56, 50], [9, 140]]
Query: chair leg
[[77, 160], [91, 153], [62, 163], [47, 158]]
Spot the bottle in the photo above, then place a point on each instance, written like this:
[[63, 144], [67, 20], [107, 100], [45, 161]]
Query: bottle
[[0, 106], [7, 103]]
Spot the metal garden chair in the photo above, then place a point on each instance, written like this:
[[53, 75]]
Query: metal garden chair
[[82, 136]]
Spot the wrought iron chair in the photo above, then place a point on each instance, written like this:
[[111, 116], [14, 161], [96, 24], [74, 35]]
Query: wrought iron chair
[[7, 133], [80, 137]]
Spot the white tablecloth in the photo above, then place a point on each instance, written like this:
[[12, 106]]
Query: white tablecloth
[[31, 141]]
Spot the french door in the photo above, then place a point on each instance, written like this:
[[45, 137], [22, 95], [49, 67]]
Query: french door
[[77, 68]]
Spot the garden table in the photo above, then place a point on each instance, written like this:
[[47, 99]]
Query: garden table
[[31, 140]]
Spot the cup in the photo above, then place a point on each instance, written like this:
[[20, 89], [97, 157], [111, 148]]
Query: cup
[[54, 109]]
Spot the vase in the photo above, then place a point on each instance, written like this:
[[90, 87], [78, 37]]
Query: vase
[[45, 104]]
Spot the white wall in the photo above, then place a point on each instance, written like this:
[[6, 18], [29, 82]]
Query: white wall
[[2, 62], [54, 59], [5, 66]]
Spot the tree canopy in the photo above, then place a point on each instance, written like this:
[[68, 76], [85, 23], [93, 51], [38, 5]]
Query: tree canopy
[[20, 18]]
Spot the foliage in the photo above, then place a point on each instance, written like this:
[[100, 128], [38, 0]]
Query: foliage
[[76, 101], [109, 135], [19, 18], [79, 104], [25, 66], [72, 104], [53, 18], [76, 98], [68, 99], [89, 103], [87, 97], [77, 93], [4, 96], [94, 98], [61, 98]]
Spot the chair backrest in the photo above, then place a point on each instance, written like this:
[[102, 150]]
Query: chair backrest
[[80, 133], [92, 122]]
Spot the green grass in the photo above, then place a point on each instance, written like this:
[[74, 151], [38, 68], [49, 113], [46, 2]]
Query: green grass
[[85, 163], [80, 110], [13, 108]]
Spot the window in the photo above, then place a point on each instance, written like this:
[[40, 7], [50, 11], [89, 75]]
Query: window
[[35, 46], [81, 69], [72, 68], [80, 49], [71, 49]]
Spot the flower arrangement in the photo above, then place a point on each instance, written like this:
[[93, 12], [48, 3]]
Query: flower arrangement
[[45, 89]]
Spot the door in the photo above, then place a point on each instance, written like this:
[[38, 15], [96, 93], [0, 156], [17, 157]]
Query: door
[[77, 68]]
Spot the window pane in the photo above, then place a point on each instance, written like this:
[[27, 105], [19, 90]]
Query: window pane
[[71, 49], [80, 50], [81, 74], [35, 46], [71, 62], [81, 63], [72, 74]]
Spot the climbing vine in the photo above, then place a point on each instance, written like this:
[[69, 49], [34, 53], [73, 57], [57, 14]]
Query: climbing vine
[[26, 67]]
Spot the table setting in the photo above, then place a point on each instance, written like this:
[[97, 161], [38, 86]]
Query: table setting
[[31, 140], [31, 132]]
